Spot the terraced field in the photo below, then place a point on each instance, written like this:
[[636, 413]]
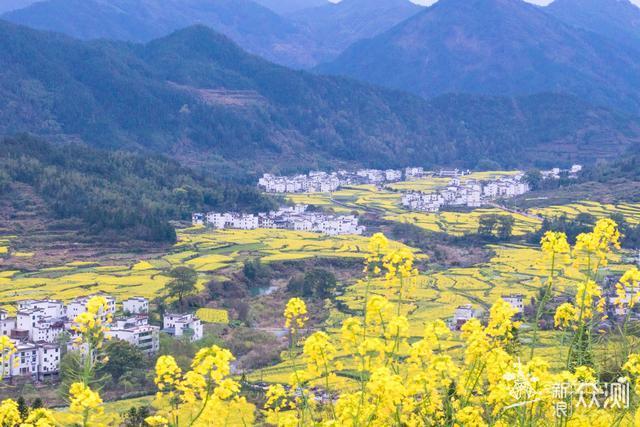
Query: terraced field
[[204, 250], [514, 269], [631, 211], [461, 223]]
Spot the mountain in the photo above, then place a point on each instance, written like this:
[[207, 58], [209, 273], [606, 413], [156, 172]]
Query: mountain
[[254, 27], [495, 47], [198, 97], [284, 7], [618, 20], [335, 26], [8, 5]]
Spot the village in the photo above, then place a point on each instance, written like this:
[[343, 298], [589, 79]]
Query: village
[[323, 182], [471, 193], [289, 218], [43, 330]]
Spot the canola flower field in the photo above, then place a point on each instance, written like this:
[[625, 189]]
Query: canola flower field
[[461, 223], [371, 369], [631, 211], [204, 250]]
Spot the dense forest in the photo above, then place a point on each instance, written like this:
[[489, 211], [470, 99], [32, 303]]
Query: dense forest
[[114, 192]]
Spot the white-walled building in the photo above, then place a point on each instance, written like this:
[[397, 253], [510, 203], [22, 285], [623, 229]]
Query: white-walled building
[[183, 324], [471, 194], [516, 301], [289, 218], [137, 331], [462, 315], [36, 360], [136, 305], [78, 306], [7, 324]]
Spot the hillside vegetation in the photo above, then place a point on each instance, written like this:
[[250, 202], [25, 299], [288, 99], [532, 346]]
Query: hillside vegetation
[[198, 96], [115, 194]]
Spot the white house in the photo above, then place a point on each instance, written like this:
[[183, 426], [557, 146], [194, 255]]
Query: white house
[[78, 306], [462, 315], [135, 305], [136, 331], [516, 301], [7, 324], [36, 360], [197, 219], [182, 324]]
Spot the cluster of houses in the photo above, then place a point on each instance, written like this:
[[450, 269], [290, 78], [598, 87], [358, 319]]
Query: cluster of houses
[[323, 182], [289, 218], [37, 327], [470, 193], [557, 173]]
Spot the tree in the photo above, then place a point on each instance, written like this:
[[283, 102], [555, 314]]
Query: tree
[[134, 417], [317, 283], [23, 408], [505, 227], [533, 177], [486, 225], [183, 283], [122, 358]]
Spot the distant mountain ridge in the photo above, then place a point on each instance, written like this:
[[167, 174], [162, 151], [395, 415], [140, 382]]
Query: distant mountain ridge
[[256, 28], [316, 30], [199, 97], [284, 7], [618, 20], [494, 47], [335, 26]]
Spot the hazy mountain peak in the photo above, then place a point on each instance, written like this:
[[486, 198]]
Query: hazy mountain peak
[[618, 20], [494, 47]]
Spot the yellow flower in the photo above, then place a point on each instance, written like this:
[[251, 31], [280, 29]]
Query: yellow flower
[[156, 421], [213, 362], [566, 313], [470, 416], [295, 314], [399, 264], [319, 352], [167, 373], [9, 414], [585, 297], [554, 243], [7, 349], [83, 399], [39, 418]]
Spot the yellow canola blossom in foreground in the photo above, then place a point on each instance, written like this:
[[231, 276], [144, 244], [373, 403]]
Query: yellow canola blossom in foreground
[[397, 381]]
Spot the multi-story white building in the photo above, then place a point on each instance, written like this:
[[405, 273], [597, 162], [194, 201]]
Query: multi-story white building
[[48, 307], [78, 306], [7, 324], [35, 360], [137, 331], [413, 173], [135, 305], [183, 324], [516, 301]]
